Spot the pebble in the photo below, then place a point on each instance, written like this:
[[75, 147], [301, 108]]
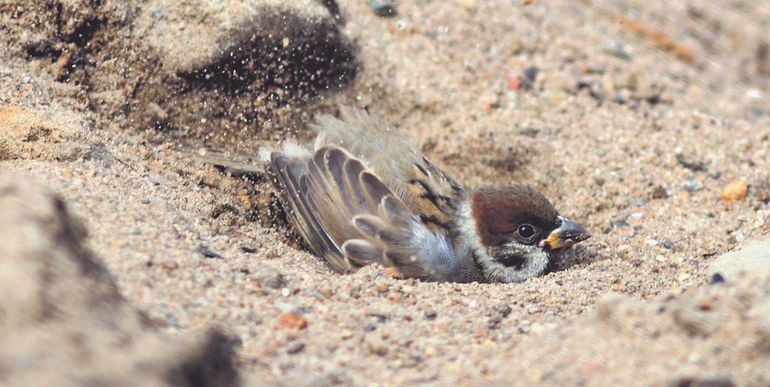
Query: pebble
[[271, 279], [714, 381], [514, 83], [695, 166], [294, 348], [291, 321], [502, 310], [620, 223], [529, 77], [617, 49], [208, 253], [370, 326], [667, 244], [659, 192], [691, 186], [735, 190], [651, 242], [383, 8]]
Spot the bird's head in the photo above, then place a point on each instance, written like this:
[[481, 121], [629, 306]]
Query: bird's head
[[515, 232]]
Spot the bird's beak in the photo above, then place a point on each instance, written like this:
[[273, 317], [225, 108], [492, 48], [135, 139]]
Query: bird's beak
[[566, 235]]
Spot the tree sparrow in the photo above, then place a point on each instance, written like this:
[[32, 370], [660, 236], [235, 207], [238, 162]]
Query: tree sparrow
[[362, 194]]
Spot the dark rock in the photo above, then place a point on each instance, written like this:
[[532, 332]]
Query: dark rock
[[384, 8], [208, 252], [696, 381], [271, 280], [695, 166], [529, 77], [659, 193], [295, 348]]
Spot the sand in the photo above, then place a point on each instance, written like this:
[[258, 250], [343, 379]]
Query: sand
[[631, 129]]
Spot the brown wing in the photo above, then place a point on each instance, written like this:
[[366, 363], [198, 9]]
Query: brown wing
[[345, 213], [422, 186], [429, 193]]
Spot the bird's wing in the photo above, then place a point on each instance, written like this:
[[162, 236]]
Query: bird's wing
[[345, 213], [424, 188], [432, 194]]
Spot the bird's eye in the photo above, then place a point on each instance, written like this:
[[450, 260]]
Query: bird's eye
[[526, 233]]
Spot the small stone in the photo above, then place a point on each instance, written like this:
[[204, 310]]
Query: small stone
[[294, 348], [529, 77], [667, 244], [659, 193], [291, 321], [515, 47], [159, 115], [393, 296], [514, 83], [617, 49], [683, 277], [735, 190], [272, 280], [699, 382], [691, 186], [327, 291], [383, 8], [502, 310], [208, 252], [620, 223], [377, 347], [695, 166], [248, 248]]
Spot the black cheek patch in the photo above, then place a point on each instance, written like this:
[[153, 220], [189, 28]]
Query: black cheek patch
[[511, 260]]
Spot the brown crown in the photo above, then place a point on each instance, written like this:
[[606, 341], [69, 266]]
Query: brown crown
[[498, 212]]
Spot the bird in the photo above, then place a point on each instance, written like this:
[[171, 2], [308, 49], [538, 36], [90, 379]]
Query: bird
[[362, 194]]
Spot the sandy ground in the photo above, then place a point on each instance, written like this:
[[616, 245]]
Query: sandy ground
[[633, 129]]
